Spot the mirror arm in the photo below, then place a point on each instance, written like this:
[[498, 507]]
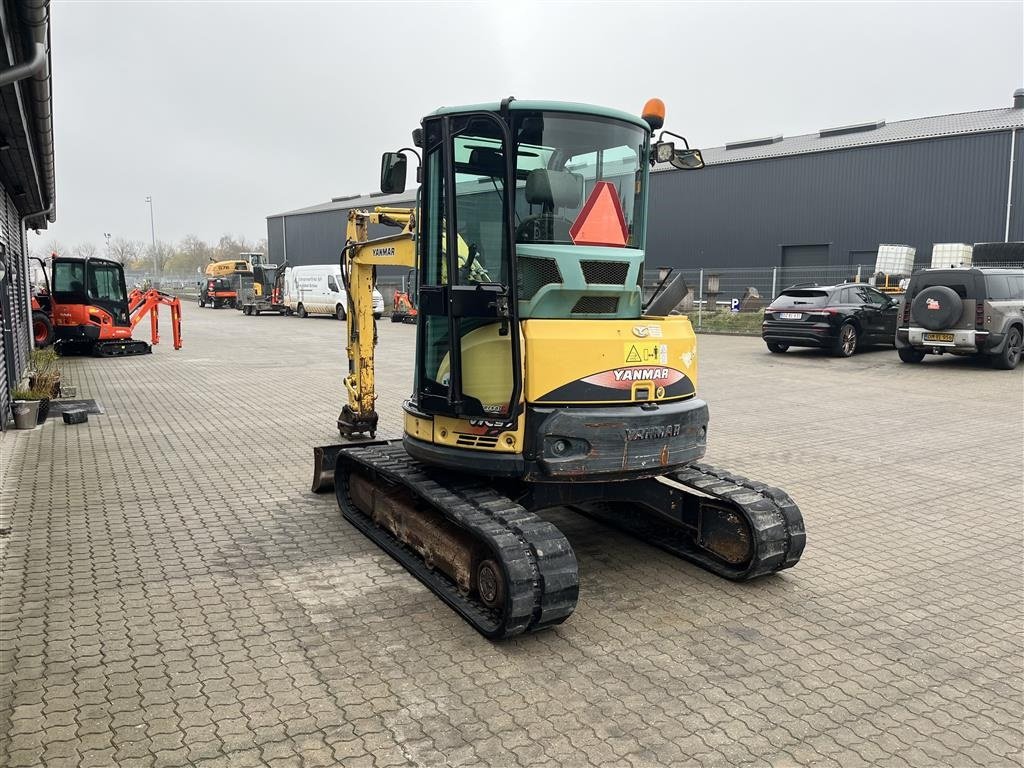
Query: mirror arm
[[674, 136], [419, 159]]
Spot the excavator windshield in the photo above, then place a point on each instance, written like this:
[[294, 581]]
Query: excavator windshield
[[579, 180]]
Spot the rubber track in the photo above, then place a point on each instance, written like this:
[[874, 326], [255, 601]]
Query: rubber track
[[121, 348], [542, 575], [772, 516]]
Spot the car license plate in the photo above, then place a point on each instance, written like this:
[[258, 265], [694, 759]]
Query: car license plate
[[938, 337], [790, 315]]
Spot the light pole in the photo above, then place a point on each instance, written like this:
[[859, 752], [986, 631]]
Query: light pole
[[106, 237], [152, 232]]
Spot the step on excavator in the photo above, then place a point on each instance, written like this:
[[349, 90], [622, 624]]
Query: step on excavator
[[542, 380], [91, 311]]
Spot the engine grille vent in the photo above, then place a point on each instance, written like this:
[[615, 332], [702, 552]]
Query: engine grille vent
[[605, 272], [534, 274], [477, 441], [596, 305]]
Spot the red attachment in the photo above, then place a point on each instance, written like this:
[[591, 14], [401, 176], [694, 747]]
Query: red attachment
[[601, 221], [402, 304], [142, 303]]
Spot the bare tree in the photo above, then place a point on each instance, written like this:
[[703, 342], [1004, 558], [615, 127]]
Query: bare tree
[[126, 251], [164, 252], [193, 254], [85, 250], [54, 246]]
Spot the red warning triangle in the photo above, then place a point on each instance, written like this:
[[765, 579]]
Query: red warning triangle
[[601, 221]]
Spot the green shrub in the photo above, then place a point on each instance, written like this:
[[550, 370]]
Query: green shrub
[[28, 394], [748, 323]]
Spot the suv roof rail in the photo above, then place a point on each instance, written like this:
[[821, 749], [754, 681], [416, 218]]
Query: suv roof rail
[[805, 285]]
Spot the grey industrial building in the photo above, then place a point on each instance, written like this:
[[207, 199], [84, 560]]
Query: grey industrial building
[[825, 198], [26, 174]]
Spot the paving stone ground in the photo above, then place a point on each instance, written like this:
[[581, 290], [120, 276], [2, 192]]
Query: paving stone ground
[[173, 594]]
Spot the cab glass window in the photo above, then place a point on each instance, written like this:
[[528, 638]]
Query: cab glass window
[[106, 283], [332, 283], [69, 277], [479, 161]]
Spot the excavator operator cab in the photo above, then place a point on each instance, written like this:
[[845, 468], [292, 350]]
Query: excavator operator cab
[[85, 283], [546, 205]]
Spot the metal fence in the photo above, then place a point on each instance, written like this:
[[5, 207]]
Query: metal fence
[[712, 290], [718, 287], [715, 292]]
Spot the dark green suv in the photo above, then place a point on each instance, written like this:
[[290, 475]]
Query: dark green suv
[[963, 311]]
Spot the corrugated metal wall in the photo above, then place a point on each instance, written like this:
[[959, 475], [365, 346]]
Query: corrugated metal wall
[[15, 339], [949, 189]]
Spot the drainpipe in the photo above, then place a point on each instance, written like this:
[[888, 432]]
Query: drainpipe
[[25, 69], [35, 15], [1009, 186], [26, 267]]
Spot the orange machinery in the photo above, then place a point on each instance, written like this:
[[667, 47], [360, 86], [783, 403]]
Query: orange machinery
[[404, 308], [92, 312]]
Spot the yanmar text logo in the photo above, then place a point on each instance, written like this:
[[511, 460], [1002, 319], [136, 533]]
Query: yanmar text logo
[[653, 433], [384, 252]]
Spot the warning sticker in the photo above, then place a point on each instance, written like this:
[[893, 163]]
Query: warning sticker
[[645, 352]]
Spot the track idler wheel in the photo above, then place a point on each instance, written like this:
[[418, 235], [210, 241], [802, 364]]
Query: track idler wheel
[[725, 534], [490, 584]]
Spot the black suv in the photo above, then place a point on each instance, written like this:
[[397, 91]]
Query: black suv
[[963, 311], [839, 318]]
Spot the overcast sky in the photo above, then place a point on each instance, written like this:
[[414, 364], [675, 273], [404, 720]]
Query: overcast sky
[[228, 112]]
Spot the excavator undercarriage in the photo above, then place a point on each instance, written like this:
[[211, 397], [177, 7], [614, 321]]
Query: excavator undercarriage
[[481, 547]]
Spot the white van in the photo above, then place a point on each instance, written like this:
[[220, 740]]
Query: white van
[[317, 289]]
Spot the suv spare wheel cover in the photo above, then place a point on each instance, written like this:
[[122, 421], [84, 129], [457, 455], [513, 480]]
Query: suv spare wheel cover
[[936, 308]]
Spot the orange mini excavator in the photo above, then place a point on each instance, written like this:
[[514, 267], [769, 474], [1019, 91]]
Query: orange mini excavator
[[92, 312]]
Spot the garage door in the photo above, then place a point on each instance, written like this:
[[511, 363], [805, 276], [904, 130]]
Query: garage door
[[805, 255]]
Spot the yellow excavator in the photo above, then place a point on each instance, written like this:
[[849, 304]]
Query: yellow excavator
[[542, 379]]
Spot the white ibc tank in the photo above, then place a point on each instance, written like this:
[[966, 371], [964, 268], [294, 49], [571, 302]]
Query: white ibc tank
[[895, 259], [952, 254]]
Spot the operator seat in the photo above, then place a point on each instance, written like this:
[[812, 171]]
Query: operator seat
[[550, 190]]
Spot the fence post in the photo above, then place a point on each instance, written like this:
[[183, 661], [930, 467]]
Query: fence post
[[775, 277], [700, 299]]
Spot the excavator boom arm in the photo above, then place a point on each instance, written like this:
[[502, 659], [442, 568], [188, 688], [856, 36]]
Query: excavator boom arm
[[142, 303], [359, 260]]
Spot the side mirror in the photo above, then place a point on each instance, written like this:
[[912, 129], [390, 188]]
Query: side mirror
[[687, 160], [392, 173]]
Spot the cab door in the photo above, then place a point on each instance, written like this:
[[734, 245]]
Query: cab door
[[468, 342]]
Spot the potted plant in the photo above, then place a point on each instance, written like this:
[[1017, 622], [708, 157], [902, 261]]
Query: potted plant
[[25, 406], [45, 372]]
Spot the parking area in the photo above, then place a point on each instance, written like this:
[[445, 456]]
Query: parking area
[[173, 594]]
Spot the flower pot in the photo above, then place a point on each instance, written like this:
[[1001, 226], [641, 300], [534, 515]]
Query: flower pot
[[44, 410], [26, 413]]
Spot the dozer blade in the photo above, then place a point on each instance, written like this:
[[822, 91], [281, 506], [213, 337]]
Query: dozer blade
[[727, 524], [503, 569]]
